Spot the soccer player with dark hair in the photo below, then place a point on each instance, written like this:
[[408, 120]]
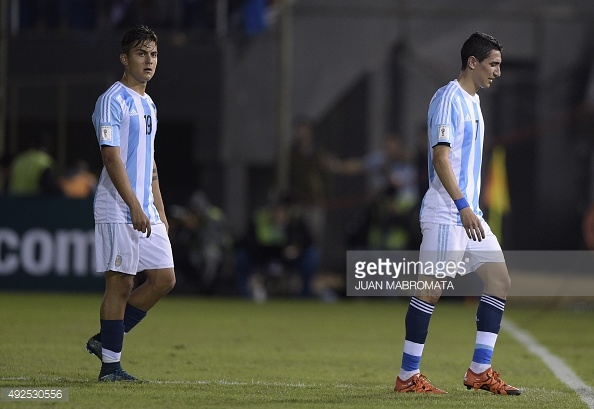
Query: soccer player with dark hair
[[130, 222], [452, 223]]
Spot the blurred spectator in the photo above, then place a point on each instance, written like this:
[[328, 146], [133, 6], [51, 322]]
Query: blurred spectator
[[422, 170], [154, 13], [250, 17], [254, 16], [78, 182], [389, 167], [32, 171], [389, 219], [389, 222], [201, 242], [421, 160], [308, 178], [277, 242]]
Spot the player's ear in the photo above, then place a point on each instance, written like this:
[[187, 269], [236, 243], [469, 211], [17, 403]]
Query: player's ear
[[124, 59], [472, 62]]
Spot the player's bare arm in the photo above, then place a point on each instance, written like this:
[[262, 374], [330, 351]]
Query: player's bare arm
[[443, 167], [158, 198], [117, 173]]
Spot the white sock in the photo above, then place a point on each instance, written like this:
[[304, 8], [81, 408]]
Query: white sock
[[479, 368], [405, 375], [108, 356]]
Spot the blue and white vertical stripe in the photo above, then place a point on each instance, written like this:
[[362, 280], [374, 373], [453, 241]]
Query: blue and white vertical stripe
[[128, 120], [455, 118]]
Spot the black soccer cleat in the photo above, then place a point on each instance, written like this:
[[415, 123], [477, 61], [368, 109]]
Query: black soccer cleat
[[94, 345], [116, 376]]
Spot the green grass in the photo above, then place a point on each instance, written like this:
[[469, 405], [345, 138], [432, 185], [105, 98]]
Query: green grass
[[563, 325], [225, 353]]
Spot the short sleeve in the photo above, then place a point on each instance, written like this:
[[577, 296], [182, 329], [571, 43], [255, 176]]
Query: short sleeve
[[443, 122], [107, 119]]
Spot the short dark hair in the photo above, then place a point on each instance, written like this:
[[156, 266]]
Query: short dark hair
[[478, 45], [138, 35]]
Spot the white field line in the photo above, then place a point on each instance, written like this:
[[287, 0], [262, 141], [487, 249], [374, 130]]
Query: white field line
[[563, 372]]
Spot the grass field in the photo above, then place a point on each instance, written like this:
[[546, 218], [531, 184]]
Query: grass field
[[228, 353]]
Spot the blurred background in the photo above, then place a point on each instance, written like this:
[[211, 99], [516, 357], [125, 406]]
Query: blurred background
[[290, 131]]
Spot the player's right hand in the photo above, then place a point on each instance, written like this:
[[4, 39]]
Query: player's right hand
[[472, 224], [141, 222]]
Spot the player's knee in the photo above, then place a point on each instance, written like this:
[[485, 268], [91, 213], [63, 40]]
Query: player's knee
[[434, 296], [429, 294], [118, 285], [500, 286], [165, 283], [171, 282]]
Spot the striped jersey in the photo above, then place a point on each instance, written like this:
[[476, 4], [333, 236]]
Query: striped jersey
[[126, 119], [455, 118]]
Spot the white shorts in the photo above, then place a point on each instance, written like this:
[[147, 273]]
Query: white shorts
[[450, 244], [118, 247]]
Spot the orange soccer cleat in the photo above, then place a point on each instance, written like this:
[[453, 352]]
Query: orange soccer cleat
[[417, 383], [489, 380]]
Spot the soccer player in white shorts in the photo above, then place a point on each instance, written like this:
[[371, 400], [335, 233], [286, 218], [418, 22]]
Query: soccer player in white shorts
[[122, 249], [450, 243], [130, 222], [452, 223]]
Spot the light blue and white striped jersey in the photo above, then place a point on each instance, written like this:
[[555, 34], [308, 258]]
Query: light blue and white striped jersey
[[454, 117], [126, 119]]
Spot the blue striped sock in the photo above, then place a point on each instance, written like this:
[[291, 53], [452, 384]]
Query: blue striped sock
[[488, 323], [417, 326]]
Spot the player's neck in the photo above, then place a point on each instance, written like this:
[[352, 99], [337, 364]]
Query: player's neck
[[130, 82], [467, 83]]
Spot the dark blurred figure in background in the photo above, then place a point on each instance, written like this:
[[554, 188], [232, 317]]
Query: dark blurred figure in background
[[32, 171], [422, 170], [421, 161], [308, 178], [202, 243], [248, 17], [277, 243], [389, 220]]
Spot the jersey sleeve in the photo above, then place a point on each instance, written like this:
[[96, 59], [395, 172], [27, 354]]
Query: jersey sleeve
[[443, 121], [107, 119]]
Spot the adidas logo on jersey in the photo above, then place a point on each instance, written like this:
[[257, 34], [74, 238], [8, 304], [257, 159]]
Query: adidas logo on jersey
[[133, 112], [467, 118]]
